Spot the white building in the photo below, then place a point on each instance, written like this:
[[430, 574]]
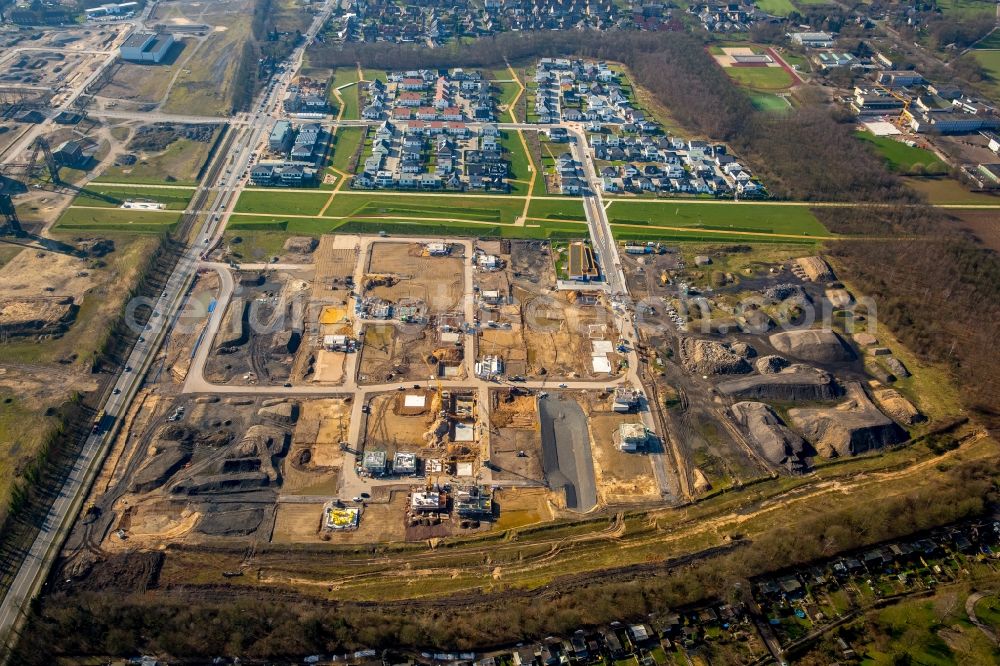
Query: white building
[[340, 343], [816, 40], [146, 47]]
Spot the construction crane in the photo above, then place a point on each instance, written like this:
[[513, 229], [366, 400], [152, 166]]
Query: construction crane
[[10, 185], [904, 114]]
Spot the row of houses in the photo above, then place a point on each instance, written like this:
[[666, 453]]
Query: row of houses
[[437, 23], [727, 17], [579, 90], [449, 95], [648, 164], [428, 157]]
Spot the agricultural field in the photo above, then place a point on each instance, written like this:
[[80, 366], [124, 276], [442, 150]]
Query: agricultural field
[[902, 158]]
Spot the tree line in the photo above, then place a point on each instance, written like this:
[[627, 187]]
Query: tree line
[[196, 623]]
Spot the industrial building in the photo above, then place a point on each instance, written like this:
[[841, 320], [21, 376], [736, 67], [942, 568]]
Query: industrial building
[[146, 47]]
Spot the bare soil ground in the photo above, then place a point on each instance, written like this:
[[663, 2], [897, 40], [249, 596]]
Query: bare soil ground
[[435, 281], [523, 506], [396, 353], [314, 459], [392, 427], [261, 333], [983, 224], [515, 438]]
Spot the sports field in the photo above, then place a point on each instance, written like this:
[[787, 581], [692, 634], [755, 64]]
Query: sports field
[[769, 102], [761, 78]]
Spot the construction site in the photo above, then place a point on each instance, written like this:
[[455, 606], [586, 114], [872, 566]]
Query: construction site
[[755, 389]]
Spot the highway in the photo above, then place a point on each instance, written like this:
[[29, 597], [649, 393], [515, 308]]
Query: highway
[[36, 565]]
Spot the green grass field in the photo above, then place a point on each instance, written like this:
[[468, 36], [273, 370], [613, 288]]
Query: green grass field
[[281, 202], [132, 221], [990, 61], [444, 208], [375, 74], [96, 195], [519, 162], [347, 141], [758, 218], [992, 41], [508, 91], [269, 230], [761, 78], [776, 7], [902, 158], [768, 102], [344, 75], [556, 209], [964, 8]]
